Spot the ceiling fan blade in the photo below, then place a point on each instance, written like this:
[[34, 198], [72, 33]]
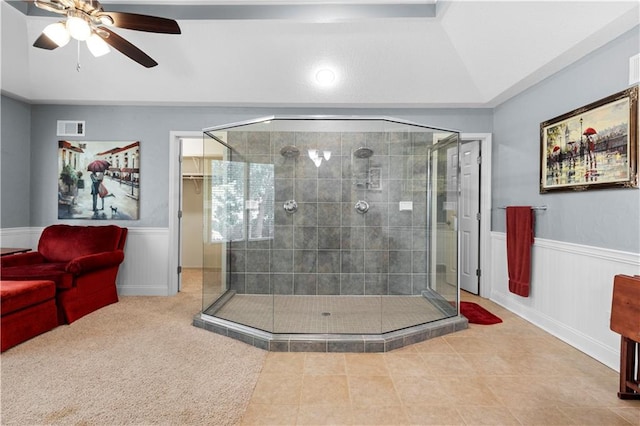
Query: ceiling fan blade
[[134, 21], [44, 42], [126, 48]]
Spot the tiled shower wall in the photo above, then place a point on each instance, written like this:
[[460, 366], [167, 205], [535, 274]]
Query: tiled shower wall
[[327, 247]]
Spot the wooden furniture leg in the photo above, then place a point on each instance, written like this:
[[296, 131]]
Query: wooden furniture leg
[[629, 380]]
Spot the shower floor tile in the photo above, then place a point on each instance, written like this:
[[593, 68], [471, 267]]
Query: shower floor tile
[[329, 314]]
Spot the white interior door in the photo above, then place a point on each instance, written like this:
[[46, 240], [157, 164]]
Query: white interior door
[[451, 208], [469, 220]]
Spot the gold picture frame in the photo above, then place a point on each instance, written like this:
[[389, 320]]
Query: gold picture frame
[[592, 147]]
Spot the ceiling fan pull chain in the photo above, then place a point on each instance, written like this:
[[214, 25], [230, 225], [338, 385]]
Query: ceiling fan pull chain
[[78, 62]]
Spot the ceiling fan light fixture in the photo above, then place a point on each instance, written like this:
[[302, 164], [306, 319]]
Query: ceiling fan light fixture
[[78, 28], [97, 46], [106, 20], [57, 33]]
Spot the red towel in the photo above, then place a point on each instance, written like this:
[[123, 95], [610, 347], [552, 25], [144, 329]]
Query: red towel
[[519, 242]]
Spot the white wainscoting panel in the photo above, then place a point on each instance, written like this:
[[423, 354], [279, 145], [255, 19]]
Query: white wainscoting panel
[[20, 237], [144, 271], [571, 291]]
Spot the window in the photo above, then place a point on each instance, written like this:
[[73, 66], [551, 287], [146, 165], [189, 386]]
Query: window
[[238, 211], [260, 201]]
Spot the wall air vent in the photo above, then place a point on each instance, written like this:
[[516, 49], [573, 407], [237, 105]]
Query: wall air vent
[[70, 128], [634, 69]]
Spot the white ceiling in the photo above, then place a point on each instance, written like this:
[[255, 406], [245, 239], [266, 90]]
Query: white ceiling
[[472, 53]]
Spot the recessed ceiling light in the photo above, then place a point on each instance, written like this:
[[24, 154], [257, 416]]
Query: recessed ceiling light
[[325, 77]]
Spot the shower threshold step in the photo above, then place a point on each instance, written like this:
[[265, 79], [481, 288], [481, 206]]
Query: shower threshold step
[[360, 343]]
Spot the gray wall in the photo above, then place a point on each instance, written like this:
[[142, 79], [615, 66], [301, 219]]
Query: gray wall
[[326, 247], [15, 164], [151, 126], [607, 218]]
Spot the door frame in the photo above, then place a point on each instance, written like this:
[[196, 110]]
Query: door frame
[[175, 180], [485, 209]]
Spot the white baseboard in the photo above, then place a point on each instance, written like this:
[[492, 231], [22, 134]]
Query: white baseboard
[[571, 291]]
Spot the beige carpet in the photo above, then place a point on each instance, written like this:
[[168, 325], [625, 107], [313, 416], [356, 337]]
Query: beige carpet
[[139, 361]]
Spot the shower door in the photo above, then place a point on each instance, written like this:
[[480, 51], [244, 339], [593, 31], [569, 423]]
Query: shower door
[[218, 187], [443, 223]]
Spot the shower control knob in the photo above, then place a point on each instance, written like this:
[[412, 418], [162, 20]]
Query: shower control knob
[[290, 206], [362, 206]]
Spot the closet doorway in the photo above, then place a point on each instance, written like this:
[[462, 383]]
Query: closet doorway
[[195, 256], [191, 213]]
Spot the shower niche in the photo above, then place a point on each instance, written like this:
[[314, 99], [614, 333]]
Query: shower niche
[[331, 234]]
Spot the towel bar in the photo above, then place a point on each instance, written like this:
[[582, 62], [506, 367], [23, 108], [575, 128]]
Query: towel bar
[[532, 208]]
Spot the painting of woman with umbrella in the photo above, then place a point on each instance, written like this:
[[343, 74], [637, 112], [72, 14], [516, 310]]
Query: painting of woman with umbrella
[[591, 147], [111, 194], [98, 189]]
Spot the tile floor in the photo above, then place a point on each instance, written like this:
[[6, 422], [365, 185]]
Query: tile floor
[[506, 374]]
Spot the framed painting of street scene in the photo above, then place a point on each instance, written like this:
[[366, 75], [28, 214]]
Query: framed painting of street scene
[[592, 147], [98, 180]]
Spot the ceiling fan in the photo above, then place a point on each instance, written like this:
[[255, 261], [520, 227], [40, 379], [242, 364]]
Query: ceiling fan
[[86, 20]]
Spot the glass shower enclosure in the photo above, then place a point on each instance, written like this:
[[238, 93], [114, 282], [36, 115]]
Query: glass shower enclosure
[[328, 233]]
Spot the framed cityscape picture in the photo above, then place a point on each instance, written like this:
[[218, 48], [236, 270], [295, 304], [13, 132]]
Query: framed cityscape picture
[[592, 147], [98, 180]]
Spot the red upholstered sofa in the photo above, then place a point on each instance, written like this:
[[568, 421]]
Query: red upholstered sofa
[[82, 261], [28, 308]]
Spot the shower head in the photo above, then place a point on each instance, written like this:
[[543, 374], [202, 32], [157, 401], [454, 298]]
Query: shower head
[[289, 151], [363, 152]]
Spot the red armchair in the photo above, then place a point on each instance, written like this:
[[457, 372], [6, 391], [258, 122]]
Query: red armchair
[[82, 261]]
